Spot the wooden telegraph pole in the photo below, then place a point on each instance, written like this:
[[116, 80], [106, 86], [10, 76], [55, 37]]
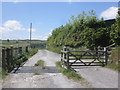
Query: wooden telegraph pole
[[30, 33]]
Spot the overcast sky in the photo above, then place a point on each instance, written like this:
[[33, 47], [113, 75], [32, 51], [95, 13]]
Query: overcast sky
[[46, 16]]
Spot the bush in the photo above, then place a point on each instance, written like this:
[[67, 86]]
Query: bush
[[40, 63], [114, 59]]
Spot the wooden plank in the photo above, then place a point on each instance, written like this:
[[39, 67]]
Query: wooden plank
[[87, 58], [64, 51], [82, 55], [85, 62], [88, 51], [86, 65]]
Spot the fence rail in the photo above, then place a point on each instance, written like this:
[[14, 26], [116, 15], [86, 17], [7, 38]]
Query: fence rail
[[10, 57], [84, 58]]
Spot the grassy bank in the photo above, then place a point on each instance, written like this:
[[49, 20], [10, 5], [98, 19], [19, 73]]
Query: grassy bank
[[114, 59], [70, 74], [55, 49]]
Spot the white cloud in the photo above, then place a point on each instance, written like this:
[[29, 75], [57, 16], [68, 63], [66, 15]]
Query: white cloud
[[2, 29], [110, 13], [13, 25]]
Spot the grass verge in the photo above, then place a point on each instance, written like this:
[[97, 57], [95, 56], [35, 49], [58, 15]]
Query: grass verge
[[40, 63], [114, 59], [37, 73], [55, 49], [70, 74], [3, 74]]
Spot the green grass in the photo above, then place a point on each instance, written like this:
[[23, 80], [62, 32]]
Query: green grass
[[37, 73], [22, 43], [114, 62], [3, 74], [40, 63], [55, 49], [68, 72], [26, 56], [114, 66]]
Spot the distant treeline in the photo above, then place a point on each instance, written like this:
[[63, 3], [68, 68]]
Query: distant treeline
[[86, 30]]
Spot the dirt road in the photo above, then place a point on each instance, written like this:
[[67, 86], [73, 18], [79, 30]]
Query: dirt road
[[98, 77], [44, 80]]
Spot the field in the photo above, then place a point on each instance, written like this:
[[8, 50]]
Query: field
[[22, 43]]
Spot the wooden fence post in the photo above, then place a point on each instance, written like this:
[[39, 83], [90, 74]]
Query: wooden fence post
[[8, 59], [26, 48], [20, 50], [64, 54], [106, 55], [4, 59], [61, 55], [67, 57], [11, 58]]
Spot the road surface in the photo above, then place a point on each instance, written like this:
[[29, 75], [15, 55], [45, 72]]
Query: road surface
[[98, 77]]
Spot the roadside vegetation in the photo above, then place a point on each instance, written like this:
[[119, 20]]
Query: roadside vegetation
[[35, 45], [38, 74], [40, 63], [85, 30], [88, 32], [114, 59], [70, 74], [20, 61]]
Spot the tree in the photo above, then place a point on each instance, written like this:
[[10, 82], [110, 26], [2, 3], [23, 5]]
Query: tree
[[8, 40], [83, 30]]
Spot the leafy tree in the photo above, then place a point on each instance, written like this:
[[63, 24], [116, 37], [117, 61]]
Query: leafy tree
[[84, 30]]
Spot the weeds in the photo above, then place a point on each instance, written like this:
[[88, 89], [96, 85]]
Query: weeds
[[40, 63], [3, 74], [68, 72], [114, 60], [37, 73]]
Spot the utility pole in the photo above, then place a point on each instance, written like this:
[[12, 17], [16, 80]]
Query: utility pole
[[30, 33]]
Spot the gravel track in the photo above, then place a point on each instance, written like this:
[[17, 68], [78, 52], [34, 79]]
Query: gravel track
[[98, 77], [45, 80]]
